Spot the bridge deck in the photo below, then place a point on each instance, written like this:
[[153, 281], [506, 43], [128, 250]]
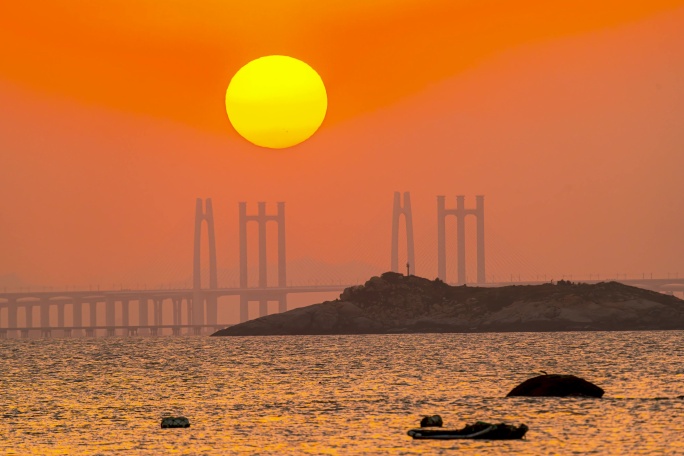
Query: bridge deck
[[90, 295]]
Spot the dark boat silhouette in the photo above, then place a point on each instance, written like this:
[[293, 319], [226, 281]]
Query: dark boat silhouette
[[479, 430]]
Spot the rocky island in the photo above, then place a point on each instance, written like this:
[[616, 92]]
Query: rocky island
[[394, 303]]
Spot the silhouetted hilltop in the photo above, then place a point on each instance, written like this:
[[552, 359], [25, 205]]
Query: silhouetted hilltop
[[394, 303]]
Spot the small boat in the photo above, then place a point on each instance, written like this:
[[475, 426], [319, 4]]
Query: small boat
[[479, 430]]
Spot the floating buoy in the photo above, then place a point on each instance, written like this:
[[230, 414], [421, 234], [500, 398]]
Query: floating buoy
[[434, 420], [175, 422]]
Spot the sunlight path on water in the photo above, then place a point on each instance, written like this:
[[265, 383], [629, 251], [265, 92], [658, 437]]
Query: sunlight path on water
[[337, 394]]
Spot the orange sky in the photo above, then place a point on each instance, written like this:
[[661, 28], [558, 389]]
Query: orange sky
[[174, 59], [566, 115]]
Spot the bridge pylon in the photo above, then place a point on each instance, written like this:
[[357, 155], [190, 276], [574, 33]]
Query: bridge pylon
[[200, 297], [461, 213], [261, 218], [398, 210]]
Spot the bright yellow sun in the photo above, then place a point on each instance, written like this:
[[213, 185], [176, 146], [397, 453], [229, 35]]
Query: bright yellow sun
[[276, 101]]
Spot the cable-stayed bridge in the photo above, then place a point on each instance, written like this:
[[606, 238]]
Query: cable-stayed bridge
[[195, 310]]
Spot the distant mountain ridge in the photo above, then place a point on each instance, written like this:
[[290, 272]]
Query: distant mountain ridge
[[394, 303]]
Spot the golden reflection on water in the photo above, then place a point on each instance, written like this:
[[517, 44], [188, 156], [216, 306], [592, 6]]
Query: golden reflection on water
[[337, 394]]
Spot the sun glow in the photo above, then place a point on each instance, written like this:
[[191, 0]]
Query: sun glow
[[276, 101]]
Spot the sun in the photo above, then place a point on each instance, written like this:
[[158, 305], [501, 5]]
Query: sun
[[276, 101]]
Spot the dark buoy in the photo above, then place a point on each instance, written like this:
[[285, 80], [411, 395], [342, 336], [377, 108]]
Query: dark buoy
[[434, 420], [175, 422]]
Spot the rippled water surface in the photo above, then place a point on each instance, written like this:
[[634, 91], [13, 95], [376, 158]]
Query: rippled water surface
[[337, 394]]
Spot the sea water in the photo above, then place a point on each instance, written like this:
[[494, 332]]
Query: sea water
[[337, 394]]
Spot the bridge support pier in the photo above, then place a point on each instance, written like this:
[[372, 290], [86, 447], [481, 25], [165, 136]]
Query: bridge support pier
[[77, 316], [211, 310], [154, 331], [24, 333], [46, 333], [29, 315], [460, 212], [125, 312], [261, 218], [90, 332], [110, 316], [158, 317], [3, 334], [204, 306], [282, 304], [198, 307], [60, 315], [93, 314], [197, 331], [12, 314], [67, 332], [177, 310], [175, 331], [188, 309], [45, 317], [142, 312], [397, 212]]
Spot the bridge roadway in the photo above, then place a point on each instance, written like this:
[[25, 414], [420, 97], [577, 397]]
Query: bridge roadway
[[169, 293], [661, 285], [194, 321]]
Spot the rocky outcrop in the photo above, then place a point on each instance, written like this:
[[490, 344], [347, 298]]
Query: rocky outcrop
[[556, 385], [394, 303], [332, 317]]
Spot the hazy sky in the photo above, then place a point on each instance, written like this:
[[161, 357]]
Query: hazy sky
[[567, 116]]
